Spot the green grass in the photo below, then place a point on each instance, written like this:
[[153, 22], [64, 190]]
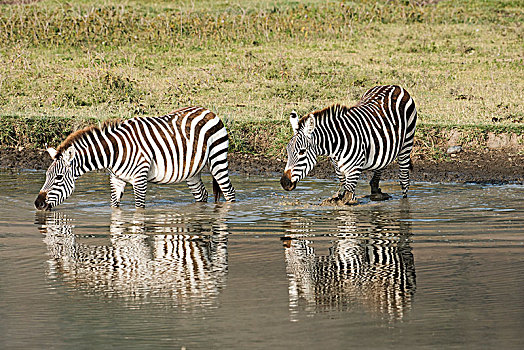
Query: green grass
[[252, 62]]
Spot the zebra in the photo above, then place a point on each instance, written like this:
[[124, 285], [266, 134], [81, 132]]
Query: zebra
[[167, 149], [367, 136]]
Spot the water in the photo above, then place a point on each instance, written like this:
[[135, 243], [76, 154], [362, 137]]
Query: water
[[443, 268]]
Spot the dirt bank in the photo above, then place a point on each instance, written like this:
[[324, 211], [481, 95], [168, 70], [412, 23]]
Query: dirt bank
[[487, 166], [491, 166]]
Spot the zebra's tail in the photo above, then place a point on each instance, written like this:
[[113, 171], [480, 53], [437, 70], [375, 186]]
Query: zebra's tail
[[216, 190], [410, 164]]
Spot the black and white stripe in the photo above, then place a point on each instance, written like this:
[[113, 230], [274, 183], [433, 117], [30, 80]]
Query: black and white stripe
[[174, 262], [378, 274], [368, 136], [167, 149]]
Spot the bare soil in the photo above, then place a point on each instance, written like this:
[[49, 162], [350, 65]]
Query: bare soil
[[488, 166]]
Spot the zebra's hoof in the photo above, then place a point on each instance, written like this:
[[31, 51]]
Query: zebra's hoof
[[338, 202], [329, 201], [333, 201], [379, 196], [348, 199], [342, 199]]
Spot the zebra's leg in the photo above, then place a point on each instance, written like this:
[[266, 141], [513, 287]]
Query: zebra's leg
[[117, 190], [350, 183], [140, 188], [347, 197], [197, 188], [405, 165], [341, 179], [219, 170], [404, 162], [376, 192]]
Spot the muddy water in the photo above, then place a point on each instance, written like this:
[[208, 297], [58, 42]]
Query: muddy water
[[443, 268]]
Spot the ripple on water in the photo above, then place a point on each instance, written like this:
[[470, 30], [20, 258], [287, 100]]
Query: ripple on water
[[443, 267]]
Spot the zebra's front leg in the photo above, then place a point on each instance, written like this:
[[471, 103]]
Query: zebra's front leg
[[347, 197], [117, 190], [341, 178], [350, 183], [376, 192], [197, 188]]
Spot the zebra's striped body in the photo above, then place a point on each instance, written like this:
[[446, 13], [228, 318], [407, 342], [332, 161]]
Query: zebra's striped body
[[167, 149], [368, 136]]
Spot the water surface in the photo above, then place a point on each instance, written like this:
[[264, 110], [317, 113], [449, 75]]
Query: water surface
[[443, 268]]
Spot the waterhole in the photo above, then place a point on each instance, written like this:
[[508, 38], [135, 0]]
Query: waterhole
[[443, 267]]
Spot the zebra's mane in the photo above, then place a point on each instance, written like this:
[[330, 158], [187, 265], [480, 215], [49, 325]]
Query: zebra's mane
[[77, 135], [331, 110]]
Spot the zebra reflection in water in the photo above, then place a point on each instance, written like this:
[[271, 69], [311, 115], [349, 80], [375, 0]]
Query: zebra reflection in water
[[142, 258], [370, 263]]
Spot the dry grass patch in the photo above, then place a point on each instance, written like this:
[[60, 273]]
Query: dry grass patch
[[256, 61]]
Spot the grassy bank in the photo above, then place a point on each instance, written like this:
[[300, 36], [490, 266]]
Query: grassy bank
[[65, 65], [267, 137]]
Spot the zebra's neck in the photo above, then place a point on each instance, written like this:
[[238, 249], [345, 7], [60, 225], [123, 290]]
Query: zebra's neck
[[323, 133], [93, 150]]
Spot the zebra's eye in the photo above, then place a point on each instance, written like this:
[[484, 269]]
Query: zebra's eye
[[301, 152], [59, 177]]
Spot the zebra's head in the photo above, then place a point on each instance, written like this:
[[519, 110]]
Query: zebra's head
[[60, 180], [300, 151]]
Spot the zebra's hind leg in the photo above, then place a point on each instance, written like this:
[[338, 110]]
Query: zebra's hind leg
[[405, 166], [117, 190], [197, 188], [219, 170], [139, 189], [376, 192]]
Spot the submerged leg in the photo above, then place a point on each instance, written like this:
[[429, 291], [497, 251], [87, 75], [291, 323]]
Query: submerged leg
[[341, 179], [376, 192], [350, 183], [117, 190], [197, 188], [218, 166], [140, 187], [346, 197], [405, 165]]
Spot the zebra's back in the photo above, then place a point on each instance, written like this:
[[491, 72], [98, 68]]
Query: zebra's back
[[385, 118], [179, 144]]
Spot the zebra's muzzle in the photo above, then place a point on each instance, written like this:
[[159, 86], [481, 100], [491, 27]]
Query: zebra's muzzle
[[40, 202], [286, 182]]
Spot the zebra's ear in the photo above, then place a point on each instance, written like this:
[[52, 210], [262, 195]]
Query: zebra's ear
[[69, 154], [309, 125], [52, 152], [293, 119]]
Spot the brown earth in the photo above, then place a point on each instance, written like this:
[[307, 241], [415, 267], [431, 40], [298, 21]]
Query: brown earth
[[486, 166], [491, 166]]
